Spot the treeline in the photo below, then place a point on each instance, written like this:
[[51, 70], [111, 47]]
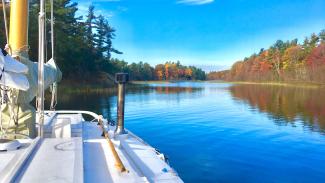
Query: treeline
[[283, 61], [83, 45], [84, 48], [168, 71]]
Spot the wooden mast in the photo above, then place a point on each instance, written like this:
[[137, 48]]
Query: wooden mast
[[18, 38]]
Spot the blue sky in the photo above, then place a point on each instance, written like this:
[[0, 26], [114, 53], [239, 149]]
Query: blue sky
[[207, 33]]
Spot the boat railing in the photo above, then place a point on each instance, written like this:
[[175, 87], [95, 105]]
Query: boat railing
[[92, 114]]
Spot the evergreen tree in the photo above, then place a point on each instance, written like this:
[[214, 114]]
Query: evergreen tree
[[100, 36], [110, 35], [89, 24]]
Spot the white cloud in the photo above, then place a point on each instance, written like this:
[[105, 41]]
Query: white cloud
[[195, 2]]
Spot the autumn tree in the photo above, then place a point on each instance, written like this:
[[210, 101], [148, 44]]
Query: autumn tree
[[286, 61], [322, 36], [160, 71], [317, 56], [188, 73], [167, 75]]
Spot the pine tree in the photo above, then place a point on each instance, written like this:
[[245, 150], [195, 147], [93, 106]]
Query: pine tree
[[110, 34], [91, 18], [100, 36]]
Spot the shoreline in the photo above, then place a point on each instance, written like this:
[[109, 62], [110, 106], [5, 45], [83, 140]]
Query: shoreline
[[91, 88], [166, 81], [274, 83]]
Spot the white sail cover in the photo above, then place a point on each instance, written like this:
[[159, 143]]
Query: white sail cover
[[51, 74], [12, 65], [12, 72]]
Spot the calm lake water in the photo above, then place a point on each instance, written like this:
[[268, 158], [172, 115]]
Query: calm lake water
[[215, 132]]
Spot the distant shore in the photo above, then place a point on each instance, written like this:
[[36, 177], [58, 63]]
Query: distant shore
[[165, 81], [67, 87], [107, 87], [289, 84], [295, 83]]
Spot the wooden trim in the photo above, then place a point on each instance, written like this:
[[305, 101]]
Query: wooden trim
[[118, 163]]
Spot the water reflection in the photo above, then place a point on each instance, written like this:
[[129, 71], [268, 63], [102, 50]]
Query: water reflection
[[84, 101], [104, 102], [172, 90], [286, 105]]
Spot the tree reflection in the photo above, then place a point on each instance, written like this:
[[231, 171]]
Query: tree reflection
[[101, 102], [172, 90], [285, 104]]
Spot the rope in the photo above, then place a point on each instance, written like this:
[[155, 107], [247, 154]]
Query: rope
[[54, 85], [2, 88], [54, 97], [118, 163], [45, 31], [7, 47], [5, 19], [13, 114], [1, 125], [52, 29]]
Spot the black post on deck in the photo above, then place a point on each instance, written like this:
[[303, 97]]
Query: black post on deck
[[121, 79]]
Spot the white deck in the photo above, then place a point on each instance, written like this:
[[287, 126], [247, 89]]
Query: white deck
[[75, 151], [56, 160]]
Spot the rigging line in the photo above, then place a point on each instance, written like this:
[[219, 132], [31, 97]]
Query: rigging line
[[54, 85], [2, 102], [45, 31], [52, 29], [5, 19], [1, 124], [54, 97]]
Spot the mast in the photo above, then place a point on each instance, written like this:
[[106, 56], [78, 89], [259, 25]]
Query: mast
[[18, 30]]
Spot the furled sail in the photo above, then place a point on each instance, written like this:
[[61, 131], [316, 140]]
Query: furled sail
[[51, 74], [12, 72]]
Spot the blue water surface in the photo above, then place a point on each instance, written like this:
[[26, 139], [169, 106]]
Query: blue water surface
[[213, 132]]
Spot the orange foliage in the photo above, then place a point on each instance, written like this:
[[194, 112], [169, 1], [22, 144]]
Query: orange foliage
[[317, 56], [167, 71], [188, 72], [283, 61]]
